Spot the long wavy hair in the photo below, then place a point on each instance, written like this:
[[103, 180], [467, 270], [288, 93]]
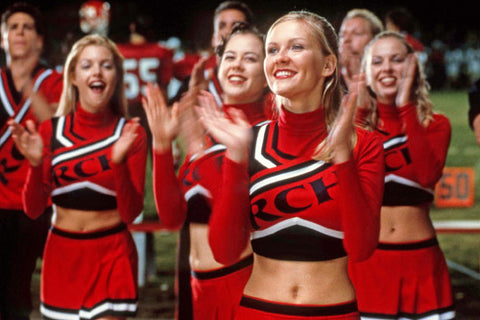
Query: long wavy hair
[[69, 97], [331, 93], [420, 90]]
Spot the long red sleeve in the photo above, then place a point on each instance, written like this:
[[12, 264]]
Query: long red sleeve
[[170, 203], [229, 223], [428, 145], [361, 185], [130, 179], [37, 189]]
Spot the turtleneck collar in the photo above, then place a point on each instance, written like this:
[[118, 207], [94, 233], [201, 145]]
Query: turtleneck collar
[[387, 110], [307, 124], [254, 111], [100, 119]]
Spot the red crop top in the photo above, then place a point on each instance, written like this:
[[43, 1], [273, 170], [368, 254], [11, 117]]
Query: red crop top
[[414, 155], [77, 170], [300, 209]]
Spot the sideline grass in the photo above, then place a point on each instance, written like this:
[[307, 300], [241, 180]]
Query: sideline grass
[[463, 152]]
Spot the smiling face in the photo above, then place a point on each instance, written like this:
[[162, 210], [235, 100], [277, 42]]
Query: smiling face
[[19, 36], [296, 65], [386, 61], [95, 77], [241, 69]]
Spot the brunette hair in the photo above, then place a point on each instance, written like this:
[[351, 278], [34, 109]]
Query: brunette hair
[[239, 28], [235, 5], [29, 9]]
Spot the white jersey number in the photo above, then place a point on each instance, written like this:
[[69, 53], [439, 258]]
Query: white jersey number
[[135, 81]]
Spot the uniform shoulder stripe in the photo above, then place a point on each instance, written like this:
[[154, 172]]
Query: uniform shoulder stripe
[[259, 148], [93, 146], [294, 173], [395, 142], [24, 108]]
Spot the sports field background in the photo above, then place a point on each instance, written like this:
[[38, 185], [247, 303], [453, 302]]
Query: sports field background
[[157, 296]]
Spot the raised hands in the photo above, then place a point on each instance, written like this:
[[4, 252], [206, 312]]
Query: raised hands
[[351, 65], [199, 79], [123, 144], [404, 94], [340, 139], [232, 130], [40, 106], [359, 85], [28, 141], [163, 121]]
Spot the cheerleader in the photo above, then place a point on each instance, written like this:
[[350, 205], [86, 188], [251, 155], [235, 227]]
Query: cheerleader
[[192, 196], [91, 161], [308, 192], [407, 276]]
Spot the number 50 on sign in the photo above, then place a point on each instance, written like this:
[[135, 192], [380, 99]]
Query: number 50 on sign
[[456, 188]]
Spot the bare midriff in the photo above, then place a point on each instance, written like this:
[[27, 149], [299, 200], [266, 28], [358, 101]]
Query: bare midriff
[[85, 221], [300, 282], [201, 255], [401, 224]]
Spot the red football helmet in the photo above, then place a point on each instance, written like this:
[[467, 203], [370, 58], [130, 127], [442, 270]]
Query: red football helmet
[[95, 17]]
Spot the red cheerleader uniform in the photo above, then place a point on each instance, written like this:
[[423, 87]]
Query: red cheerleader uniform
[[92, 274], [190, 198], [407, 280], [300, 209]]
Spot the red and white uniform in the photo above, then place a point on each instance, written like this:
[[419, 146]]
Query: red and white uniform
[[408, 280], [300, 209], [144, 63], [21, 239], [78, 173], [13, 166], [191, 198]]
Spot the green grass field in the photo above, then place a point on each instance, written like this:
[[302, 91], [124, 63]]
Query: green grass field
[[463, 249], [463, 152]]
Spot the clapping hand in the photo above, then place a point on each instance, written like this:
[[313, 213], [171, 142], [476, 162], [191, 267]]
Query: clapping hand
[[199, 78], [126, 140], [163, 121], [404, 94], [28, 141], [233, 131]]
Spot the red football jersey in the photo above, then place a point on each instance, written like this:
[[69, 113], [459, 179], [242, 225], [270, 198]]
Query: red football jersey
[[183, 67], [13, 166], [144, 63]]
